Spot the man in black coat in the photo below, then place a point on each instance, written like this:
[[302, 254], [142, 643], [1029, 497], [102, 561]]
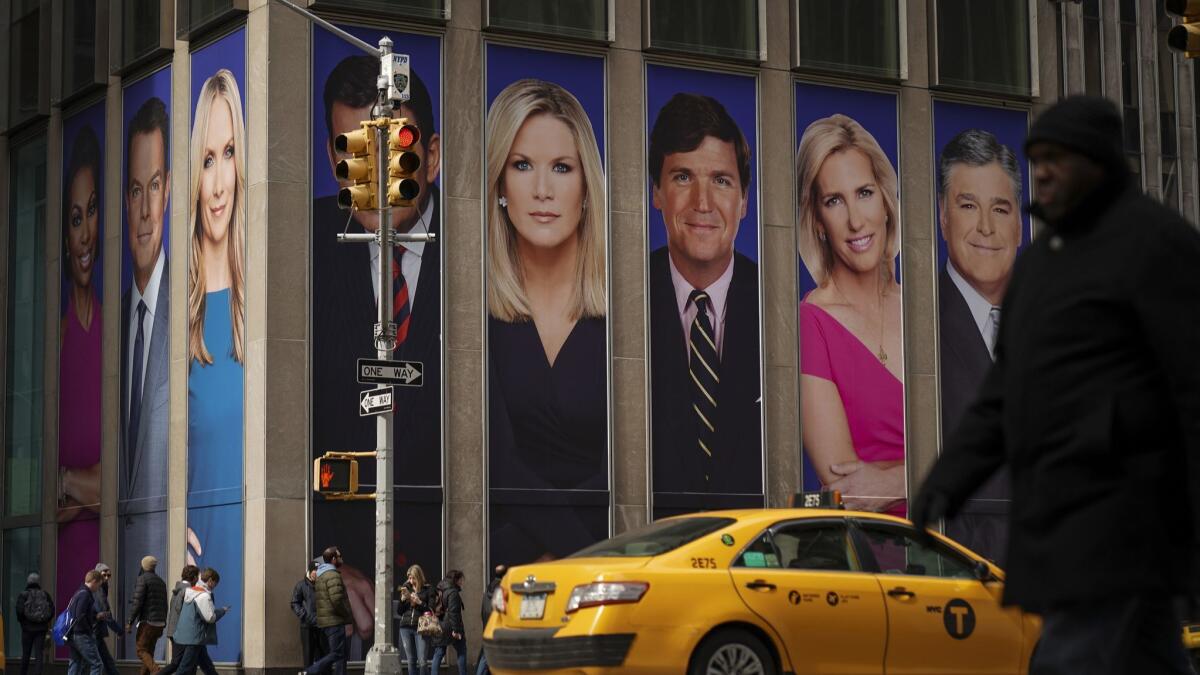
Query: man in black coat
[[33, 628], [979, 187], [704, 340], [148, 612], [1093, 404], [304, 606]]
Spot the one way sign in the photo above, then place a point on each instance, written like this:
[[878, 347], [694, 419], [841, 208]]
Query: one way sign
[[402, 373], [374, 401]]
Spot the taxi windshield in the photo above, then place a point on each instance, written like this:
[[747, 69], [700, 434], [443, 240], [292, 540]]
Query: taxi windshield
[[654, 539]]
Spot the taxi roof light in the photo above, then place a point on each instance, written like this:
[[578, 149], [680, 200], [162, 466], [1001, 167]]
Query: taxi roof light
[[605, 593], [818, 499]]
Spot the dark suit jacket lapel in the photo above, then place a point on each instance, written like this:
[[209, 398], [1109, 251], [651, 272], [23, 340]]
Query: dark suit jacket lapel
[[966, 345]]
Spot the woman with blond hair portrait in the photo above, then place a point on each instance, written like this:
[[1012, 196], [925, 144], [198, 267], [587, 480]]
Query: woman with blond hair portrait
[[216, 333], [851, 369], [546, 291]]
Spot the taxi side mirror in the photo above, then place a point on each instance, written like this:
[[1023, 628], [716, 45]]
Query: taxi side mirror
[[981, 571]]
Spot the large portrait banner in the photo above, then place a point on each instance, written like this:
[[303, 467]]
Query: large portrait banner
[[344, 312], [851, 310], [216, 294], [705, 333], [80, 355], [145, 334], [546, 215], [982, 186]]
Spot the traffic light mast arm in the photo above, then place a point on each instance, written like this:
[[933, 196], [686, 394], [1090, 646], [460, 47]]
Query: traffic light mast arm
[[331, 28]]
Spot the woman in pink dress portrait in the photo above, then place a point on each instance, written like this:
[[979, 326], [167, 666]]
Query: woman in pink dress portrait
[[851, 362]]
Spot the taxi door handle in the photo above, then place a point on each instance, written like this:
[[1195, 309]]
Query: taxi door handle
[[759, 584], [901, 592]]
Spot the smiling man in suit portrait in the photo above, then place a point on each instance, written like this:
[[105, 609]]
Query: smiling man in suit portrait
[[979, 204], [145, 310], [705, 385]]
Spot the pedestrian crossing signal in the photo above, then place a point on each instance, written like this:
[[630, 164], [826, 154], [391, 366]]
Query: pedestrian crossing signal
[[335, 476]]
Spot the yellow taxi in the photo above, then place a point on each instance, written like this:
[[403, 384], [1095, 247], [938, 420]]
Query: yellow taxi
[[761, 591]]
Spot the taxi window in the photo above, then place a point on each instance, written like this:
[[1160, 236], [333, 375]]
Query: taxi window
[[654, 539], [802, 547], [897, 551]]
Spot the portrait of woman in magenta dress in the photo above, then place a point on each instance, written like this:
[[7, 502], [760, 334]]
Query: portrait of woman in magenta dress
[[79, 366], [851, 363]]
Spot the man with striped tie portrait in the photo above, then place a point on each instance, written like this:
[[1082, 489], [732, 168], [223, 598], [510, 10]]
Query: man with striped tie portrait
[[705, 386]]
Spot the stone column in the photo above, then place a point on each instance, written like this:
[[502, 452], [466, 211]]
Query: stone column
[[278, 201]]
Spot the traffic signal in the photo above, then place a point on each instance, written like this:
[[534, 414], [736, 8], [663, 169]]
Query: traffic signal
[[403, 162], [335, 475], [1185, 37], [359, 169]]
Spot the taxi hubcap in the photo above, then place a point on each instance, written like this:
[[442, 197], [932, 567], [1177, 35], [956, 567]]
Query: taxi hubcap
[[735, 659]]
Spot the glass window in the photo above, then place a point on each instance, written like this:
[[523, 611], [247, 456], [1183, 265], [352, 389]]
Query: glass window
[[897, 551], [26, 83], [1168, 118], [1093, 49], [728, 28], [421, 9], [79, 46], [852, 36], [984, 44], [194, 16], [586, 19], [26, 323], [654, 539], [1131, 86], [141, 29], [22, 549]]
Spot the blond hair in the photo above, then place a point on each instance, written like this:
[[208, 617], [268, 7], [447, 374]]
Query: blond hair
[[518, 102], [416, 571], [822, 139], [221, 85]]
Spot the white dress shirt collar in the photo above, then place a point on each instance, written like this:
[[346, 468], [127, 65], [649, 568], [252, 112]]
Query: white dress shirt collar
[[150, 297], [980, 308], [718, 293]]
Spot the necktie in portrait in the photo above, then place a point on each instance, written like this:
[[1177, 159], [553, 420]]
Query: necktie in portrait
[[704, 368]]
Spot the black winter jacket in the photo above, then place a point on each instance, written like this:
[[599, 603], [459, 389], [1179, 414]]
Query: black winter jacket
[[304, 603], [149, 601], [26, 624], [409, 612], [452, 618], [1093, 403]]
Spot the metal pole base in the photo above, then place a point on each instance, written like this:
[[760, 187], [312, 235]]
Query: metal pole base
[[383, 660]]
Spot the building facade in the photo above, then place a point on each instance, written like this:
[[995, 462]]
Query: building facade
[[585, 165]]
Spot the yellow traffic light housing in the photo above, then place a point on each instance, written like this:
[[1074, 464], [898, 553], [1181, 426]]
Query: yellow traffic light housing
[[335, 475], [1184, 37], [359, 169], [403, 163]]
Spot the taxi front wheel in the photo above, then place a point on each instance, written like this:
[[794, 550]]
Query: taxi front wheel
[[732, 651]]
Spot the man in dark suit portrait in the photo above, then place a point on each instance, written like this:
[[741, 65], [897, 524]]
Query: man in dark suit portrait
[[705, 386], [980, 220], [345, 291], [145, 310]]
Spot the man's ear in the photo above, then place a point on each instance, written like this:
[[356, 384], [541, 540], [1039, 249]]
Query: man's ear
[[433, 158], [942, 217], [654, 197], [167, 193], [745, 204], [332, 156]]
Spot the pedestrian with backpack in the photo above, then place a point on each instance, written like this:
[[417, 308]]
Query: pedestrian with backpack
[[35, 610], [454, 632], [85, 615]]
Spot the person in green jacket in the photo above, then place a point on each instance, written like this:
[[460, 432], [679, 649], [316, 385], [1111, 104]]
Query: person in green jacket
[[333, 613]]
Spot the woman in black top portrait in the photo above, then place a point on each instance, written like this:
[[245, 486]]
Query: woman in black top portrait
[[546, 293], [547, 348]]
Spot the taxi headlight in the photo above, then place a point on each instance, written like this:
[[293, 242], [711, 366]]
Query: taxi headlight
[[499, 600], [605, 593]]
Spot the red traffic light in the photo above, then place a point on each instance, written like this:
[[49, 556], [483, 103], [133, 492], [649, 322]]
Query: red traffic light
[[406, 136]]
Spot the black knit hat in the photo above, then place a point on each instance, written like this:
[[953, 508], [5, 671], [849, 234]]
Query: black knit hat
[[1089, 125]]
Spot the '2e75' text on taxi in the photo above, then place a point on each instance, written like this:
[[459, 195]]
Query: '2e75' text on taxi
[[761, 591]]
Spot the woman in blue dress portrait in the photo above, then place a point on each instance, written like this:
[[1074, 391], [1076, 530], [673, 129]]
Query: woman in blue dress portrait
[[216, 344]]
